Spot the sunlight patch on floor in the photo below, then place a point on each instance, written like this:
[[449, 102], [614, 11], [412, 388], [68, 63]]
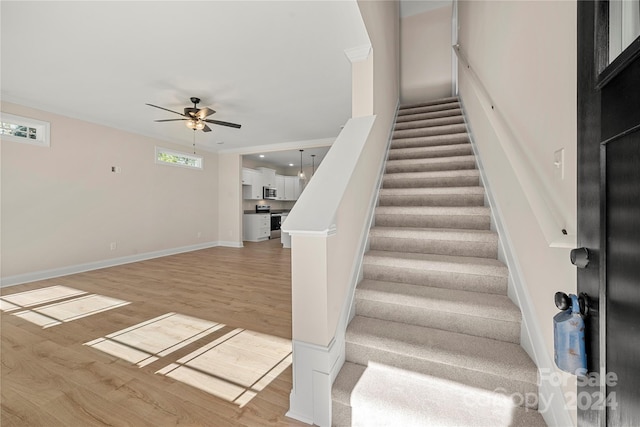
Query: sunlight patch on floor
[[148, 341], [72, 304], [234, 367], [36, 297]]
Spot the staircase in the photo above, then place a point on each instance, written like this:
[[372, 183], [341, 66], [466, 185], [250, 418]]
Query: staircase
[[434, 335]]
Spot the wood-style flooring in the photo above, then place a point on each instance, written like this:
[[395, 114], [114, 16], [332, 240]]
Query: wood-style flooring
[[50, 378]]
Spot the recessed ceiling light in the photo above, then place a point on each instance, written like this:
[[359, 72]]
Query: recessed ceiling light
[[262, 156], [290, 164]]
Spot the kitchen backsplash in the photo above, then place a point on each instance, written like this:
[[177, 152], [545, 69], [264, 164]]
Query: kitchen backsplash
[[250, 205]]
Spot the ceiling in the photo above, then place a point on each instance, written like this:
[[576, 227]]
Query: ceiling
[[414, 7], [283, 159], [276, 67]]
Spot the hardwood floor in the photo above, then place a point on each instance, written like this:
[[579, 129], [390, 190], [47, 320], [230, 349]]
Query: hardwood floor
[[50, 378]]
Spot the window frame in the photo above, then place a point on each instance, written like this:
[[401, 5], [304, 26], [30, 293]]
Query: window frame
[[43, 134], [199, 159]]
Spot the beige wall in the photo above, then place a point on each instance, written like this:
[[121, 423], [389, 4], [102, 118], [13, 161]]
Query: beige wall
[[230, 199], [525, 55], [62, 206], [425, 55]]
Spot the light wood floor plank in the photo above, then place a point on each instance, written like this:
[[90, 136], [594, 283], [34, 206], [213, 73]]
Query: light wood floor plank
[[49, 377]]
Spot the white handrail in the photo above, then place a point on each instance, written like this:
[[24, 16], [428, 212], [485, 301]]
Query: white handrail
[[558, 229]]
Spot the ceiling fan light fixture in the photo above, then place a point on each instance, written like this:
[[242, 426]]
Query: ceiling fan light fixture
[[191, 124], [199, 125]]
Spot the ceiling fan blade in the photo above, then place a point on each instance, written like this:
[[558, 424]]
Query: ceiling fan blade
[[190, 111], [169, 120], [166, 109], [206, 129], [204, 112], [218, 122]]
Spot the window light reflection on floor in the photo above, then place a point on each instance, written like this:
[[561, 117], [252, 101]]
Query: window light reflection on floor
[[72, 304], [234, 367], [146, 342]]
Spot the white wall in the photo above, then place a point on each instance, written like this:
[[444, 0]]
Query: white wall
[[425, 55], [525, 55], [62, 206]]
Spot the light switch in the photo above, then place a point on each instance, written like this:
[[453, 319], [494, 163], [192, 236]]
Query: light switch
[[558, 164]]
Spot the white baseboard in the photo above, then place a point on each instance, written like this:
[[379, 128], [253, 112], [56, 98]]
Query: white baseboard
[[230, 244], [96, 265]]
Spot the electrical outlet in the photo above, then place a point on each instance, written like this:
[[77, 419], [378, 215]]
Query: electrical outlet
[[558, 164], [113, 246]]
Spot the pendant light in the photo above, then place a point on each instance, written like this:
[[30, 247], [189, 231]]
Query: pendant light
[[301, 174], [313, 164]]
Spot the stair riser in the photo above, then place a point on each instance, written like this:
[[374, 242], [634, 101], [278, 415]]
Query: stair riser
[[466, 222], [455, 322], [360, 354], [426, 116], [430, 131], [390, 181], [428, 109], [427, 153], [419, 124], [431, 141], [437, 279], [433, 200], [407, 166], [433, 246]]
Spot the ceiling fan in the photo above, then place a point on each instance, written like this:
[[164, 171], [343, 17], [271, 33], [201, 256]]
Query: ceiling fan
[[196, 118]]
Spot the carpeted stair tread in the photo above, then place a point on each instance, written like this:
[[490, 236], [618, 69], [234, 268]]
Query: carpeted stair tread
[[452, 234], [345, 381], [465, 312], [438, 241], [437, 270], [430, 152], [430, 141], [424, 191], [439, 101], [426, 350], [477, 304], [390, 396], [464, 217], [432, 163], [430, 115], [428, 108], [454, 178], [429, 131], [453, 264], [432, 196], [437, 121]]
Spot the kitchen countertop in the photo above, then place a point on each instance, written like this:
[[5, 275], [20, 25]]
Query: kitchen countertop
[[273, 211]]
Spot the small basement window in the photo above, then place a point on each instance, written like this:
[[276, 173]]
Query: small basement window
[[177, 158], [23, 129]]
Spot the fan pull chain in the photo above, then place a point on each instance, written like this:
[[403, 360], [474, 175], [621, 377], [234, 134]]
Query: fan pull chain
[[194, 141]]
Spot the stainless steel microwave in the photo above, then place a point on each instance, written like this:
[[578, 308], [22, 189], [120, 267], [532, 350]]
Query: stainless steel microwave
[[269, 193]]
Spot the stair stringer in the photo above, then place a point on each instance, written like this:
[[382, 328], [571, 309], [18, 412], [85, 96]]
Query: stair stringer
[[550, 394]]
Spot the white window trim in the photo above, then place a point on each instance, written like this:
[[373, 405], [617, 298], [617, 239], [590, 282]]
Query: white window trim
[[43, 130], [200, 159]]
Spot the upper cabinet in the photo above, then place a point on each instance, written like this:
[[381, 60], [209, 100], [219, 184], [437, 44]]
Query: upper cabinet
[[251, 184], [268, 177], [288, 188]]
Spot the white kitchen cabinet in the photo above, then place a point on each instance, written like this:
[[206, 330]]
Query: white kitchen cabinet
[[251, 184], [280, 187], [292, 188], [256, 227], [268, 177]]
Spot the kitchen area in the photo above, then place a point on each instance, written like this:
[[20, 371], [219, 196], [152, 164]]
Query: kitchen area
[[271, 185]]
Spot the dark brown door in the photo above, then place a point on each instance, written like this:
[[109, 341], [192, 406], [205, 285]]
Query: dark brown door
[[609, 216]]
